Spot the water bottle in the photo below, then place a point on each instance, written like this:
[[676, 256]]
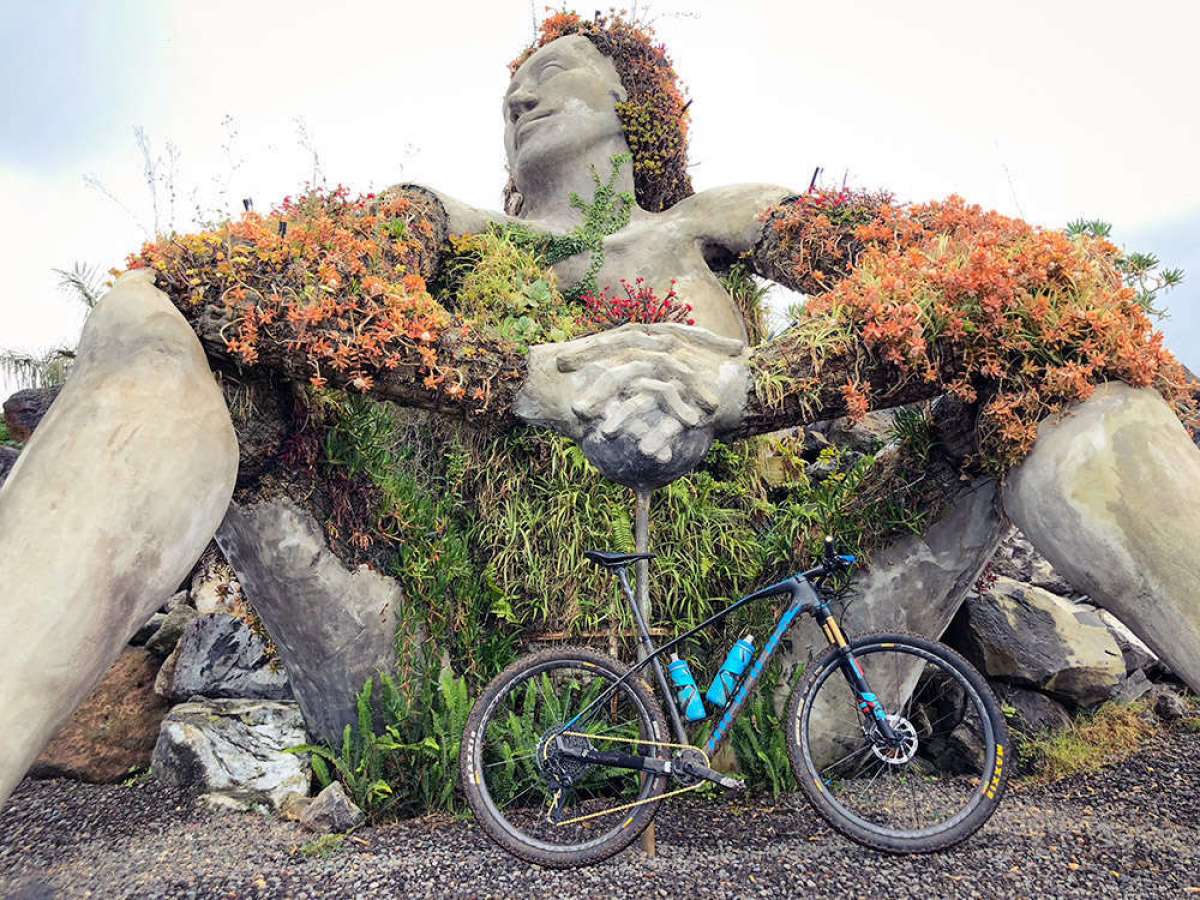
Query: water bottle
[[688, 695], [731, 670]]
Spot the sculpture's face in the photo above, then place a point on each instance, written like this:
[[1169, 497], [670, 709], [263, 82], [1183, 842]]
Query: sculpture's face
[[561, 103]]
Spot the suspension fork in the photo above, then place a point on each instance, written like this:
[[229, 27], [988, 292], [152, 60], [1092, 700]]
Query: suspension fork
[[868, 703]]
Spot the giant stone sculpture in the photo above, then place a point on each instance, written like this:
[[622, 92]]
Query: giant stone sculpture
[[643, 401]]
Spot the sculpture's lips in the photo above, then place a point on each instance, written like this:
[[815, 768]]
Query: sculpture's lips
[[528, 119]]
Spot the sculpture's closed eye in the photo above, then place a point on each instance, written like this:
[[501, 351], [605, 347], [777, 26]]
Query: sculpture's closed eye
[[549, 71]]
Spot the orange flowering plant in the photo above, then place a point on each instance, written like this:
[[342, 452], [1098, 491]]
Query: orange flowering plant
[[1020, 320], [338, 283]]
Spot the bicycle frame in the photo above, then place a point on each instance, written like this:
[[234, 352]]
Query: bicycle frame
[[804, 598]]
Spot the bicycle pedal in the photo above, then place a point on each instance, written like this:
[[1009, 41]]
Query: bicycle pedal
[[732, 784]]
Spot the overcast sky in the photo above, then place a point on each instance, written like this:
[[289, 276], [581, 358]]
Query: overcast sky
[[1050, 111]]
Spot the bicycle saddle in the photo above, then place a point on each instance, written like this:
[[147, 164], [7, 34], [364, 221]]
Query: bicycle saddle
[[614, 560]]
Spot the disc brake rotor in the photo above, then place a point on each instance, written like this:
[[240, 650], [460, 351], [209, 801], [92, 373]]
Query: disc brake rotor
[[899, 753]]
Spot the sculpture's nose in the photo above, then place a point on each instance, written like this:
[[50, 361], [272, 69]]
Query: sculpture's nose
[[520, 101]]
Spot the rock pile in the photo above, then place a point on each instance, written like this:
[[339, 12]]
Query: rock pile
[[1046, 650]]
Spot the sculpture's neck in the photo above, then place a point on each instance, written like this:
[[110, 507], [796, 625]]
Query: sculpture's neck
[[546, 190]]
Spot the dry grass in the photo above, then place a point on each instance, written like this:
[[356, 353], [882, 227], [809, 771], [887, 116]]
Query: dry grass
[[1112, 733]]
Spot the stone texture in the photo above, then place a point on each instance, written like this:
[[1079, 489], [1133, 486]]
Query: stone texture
[[334, 627], [293, 806], [643, 401], [1168, 705], [234, 749], [8, 459], [147, 631], [1031, 637], [1138, 657], [1035, 712], [25, 409], [110, 503], [1110, 495], [113, 731], [332, 811], [163, 641], [166, 674], [219, 656]]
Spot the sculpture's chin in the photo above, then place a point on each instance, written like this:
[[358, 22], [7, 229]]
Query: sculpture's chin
[[619, 459]]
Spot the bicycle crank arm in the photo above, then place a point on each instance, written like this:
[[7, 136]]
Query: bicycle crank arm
[[700, 771], [619, 760]]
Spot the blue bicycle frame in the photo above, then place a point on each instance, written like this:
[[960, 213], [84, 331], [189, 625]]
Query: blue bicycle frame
[[804, 598]]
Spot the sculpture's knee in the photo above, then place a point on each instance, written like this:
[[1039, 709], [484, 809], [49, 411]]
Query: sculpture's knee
[[110, 503]]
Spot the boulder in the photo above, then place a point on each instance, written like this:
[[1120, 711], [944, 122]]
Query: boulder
[[147, 631], [163, 641], [8, 459], [179, 598], [113, 731], [1168, 705], [234, 750], [1138, 657], [1017, 559], [1028, 636], [1034, 712], [166, 675], [111, 502], [332, 811], [1110, 495], [334, 626], [219, 656], [25, 409], [1132, 687]]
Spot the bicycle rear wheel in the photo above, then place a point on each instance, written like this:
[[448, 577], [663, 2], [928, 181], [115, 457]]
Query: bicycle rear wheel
[[539, 804], [934, 785]]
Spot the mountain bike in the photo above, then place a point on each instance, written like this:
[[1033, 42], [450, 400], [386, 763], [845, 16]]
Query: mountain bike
[[896, 740]]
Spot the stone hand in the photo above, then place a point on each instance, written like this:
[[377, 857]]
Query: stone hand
[[644, 401]]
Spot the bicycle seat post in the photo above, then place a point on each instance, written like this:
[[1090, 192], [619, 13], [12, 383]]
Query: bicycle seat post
[[641, 539]]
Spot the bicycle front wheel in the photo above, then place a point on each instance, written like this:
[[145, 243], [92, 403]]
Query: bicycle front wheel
[[936, 780], [546, 806]]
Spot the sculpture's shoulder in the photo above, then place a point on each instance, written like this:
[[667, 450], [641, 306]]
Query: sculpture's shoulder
[[462, 217], [731, 215]]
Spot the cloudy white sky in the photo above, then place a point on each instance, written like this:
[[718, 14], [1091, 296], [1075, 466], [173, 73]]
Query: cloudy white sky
[[1050, 111]]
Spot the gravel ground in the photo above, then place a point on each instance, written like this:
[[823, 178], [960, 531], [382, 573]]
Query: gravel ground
[[1131, 830]]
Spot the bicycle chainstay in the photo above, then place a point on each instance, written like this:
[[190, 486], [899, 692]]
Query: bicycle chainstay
[[632, 804]]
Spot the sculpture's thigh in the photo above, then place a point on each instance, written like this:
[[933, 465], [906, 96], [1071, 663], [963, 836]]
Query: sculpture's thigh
[[1110, 496], [112, 500]]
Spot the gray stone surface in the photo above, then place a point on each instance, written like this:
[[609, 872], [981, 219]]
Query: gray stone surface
[[331, 811], [234, 749], [646, 423], [1035, 712], [334, 627], [1031, 637], [163, 641], [219, 656], [643, 401], [26, 408], [110, 503], [8, 459], [147, 631], [1110, 495]]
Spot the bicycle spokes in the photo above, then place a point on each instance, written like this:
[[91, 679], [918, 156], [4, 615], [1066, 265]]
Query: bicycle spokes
[[910, 754], [532, 770]]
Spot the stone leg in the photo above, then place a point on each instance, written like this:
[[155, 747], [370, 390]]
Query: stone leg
[[334, 626], [1110, 496], [106, 510]]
